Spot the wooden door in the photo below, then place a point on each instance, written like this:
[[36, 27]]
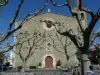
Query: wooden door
[[48, 62]]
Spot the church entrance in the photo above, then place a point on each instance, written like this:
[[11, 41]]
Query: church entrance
[[48, 62]]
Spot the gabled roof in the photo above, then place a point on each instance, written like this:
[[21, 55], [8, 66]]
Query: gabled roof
[[54, 13]]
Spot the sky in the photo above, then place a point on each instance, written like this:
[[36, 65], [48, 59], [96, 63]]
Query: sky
[[30, 6]]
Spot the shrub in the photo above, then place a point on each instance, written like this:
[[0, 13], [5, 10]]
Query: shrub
[[40, 64], [58, 63]]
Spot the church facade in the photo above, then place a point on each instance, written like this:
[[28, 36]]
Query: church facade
[[51, 50]]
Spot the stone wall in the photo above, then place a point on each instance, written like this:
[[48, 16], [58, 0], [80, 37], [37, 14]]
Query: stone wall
[[34, 23]]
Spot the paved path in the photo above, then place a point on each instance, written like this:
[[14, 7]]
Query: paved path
[[38, 72], [42, 72]]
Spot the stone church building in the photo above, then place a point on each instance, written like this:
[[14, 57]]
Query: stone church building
[[47, 54]]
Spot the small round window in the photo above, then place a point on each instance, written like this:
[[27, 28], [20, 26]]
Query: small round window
[[48, 25]]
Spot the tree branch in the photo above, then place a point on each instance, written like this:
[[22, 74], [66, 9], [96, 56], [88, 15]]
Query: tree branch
[[79, 22], [8, 33], [90, 27], [40, 10], [93, 22], [55, 4], [80, 4], [67, 3], [3, 50], [88, 11], [16, 15], [72, 37], [54, 46]]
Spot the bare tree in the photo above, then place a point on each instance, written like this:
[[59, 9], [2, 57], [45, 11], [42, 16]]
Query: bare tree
[[63, 43], [79, 16], [84, 29], [28, 43], [10, 30], [96, 35]]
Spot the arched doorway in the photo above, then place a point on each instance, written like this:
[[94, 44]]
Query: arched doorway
[[48, 62]]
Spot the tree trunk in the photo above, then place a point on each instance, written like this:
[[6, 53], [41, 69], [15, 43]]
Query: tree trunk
[[85, 63], [24, 66]]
